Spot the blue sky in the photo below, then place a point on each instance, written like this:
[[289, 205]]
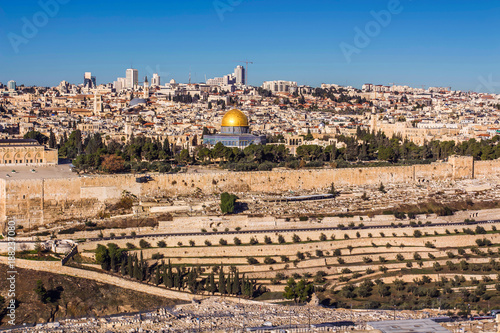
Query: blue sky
[[431, 43]]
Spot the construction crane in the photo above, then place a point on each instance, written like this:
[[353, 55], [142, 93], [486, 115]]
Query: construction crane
[[246, 69]]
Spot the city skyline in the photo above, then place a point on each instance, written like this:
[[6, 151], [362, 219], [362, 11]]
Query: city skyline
[[417, 44]]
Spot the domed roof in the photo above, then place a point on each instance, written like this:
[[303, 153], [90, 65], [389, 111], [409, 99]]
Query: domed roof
[[172, 81], [235, 118], [137, 101]]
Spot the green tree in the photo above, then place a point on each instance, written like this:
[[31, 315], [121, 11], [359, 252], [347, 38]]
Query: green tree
[[227, 203], [42, 292], [42, 139]]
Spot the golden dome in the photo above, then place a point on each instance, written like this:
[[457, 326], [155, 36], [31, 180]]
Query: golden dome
[[235, 118]]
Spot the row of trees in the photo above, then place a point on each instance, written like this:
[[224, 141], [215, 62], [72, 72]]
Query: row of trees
[[193, 279], [141, 153], [367, 146]]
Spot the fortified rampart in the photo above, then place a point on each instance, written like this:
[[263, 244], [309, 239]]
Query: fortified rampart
[[40, 201]]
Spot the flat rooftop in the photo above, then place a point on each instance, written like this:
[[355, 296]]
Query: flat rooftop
[[26, 172]]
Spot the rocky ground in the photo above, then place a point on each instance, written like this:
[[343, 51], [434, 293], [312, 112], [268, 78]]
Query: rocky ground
[[222, 315], [351, 199], [72, 297]]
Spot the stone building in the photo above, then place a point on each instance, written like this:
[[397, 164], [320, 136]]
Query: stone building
[[26, 152]]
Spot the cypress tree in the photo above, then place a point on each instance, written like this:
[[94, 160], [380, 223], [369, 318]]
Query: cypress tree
[[52, 140], [157, 275], [212, 288], [222, 281], [123, 266], [130, 266], [236, 283], [136, 268], [229, 284], [169, 283]]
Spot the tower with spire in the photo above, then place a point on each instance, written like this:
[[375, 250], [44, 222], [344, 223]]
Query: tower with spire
[[146, 88]]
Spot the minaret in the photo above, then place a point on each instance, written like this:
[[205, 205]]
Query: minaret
[[373, 122], [146, 88]]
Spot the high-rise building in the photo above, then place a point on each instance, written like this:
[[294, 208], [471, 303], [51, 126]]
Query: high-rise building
[[120, 84], [132, 78], [240, 75], [11, 85], [89, 80], [155, 81]]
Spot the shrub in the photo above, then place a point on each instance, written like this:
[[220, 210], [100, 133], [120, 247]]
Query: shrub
[[208, 243], [417, 233], [157, 256], [161, 244], [254, 241], [267, 240], [319, 253], [430, 245], [369, 271], [179, 243], [400, 215], [480, 230], [322, 237], [300, 255], [269, 261], [303, 218], [203, 230], [400, 257], [382, 259], [295, 238], [144, 244], [284, 259], [130, 246], [222, 241], [340, 261], [237, 241], [281, 239], [367, 260], [192, 243], [252, 261]]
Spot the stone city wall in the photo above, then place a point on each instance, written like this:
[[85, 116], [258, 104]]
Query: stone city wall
[[42, 201]]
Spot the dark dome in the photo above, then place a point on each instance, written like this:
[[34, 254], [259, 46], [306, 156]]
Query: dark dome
[[137, 101]]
